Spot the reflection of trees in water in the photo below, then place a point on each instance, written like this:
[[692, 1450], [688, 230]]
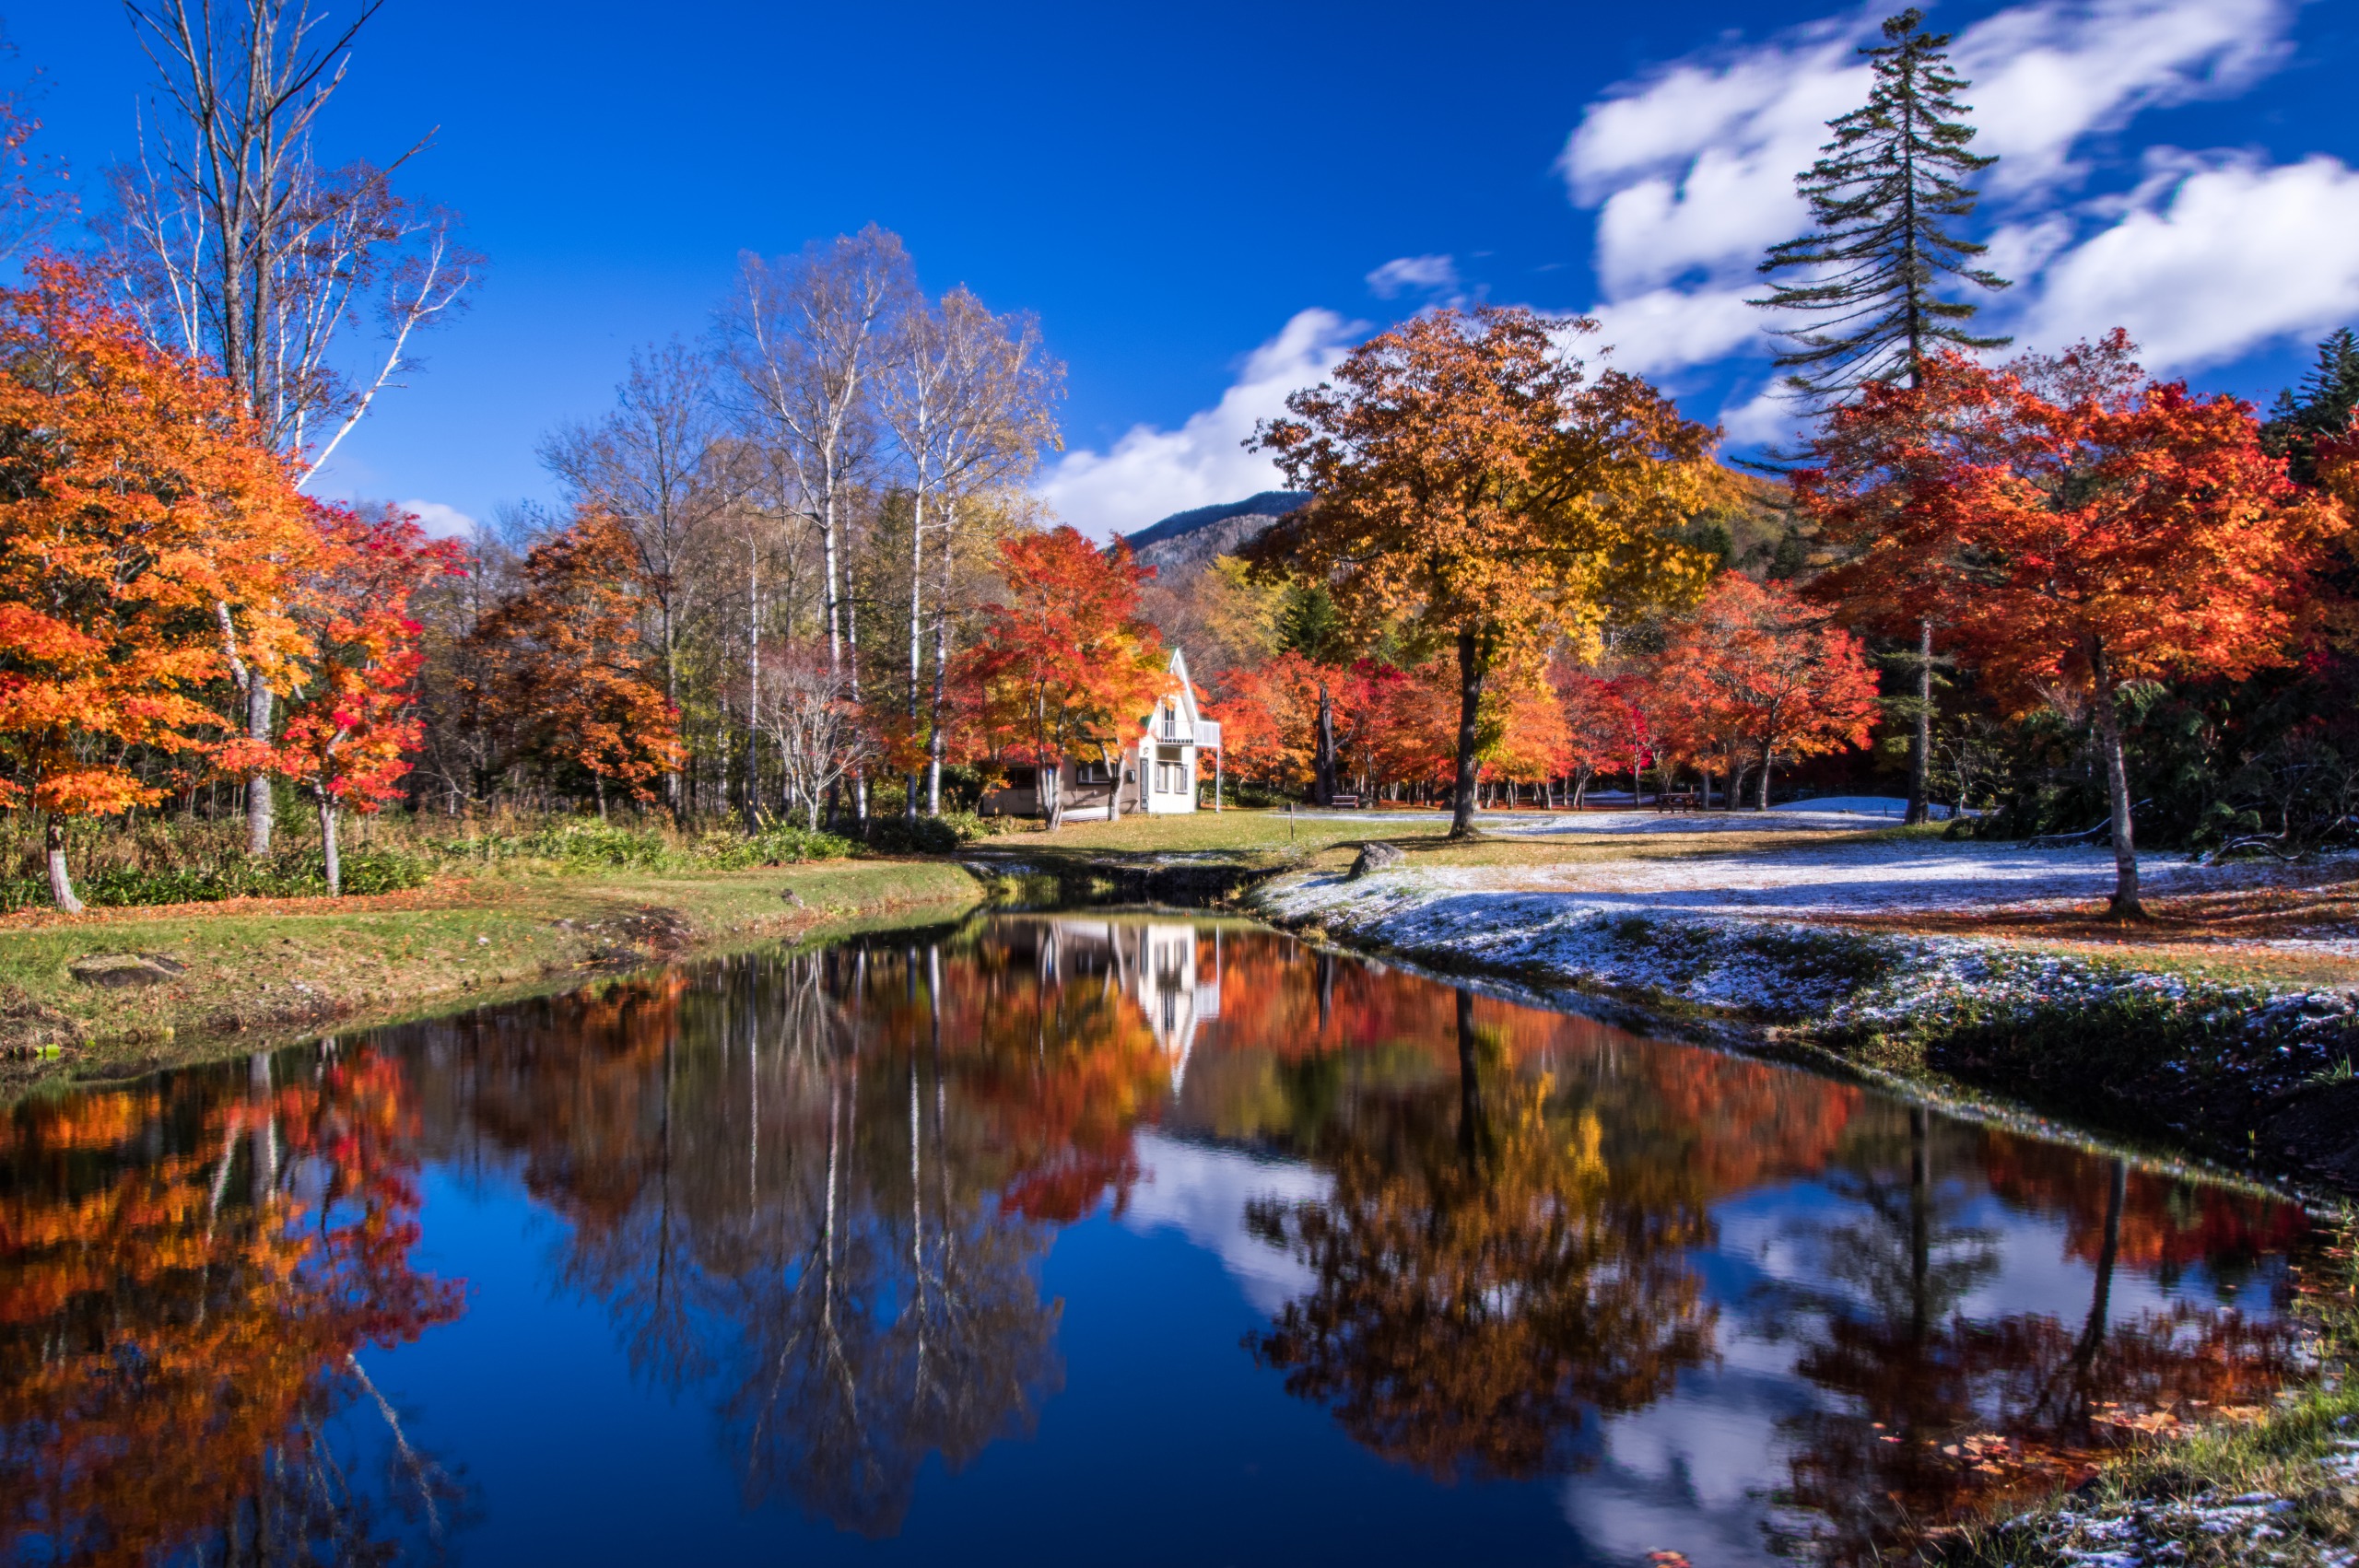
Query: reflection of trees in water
[[191, 1270], [1483, 1274], [1930, 1407], [816, 1183]]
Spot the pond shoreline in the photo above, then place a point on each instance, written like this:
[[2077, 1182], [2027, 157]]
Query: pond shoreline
[[2185, 1077], [2241, 1081], [248, 974]]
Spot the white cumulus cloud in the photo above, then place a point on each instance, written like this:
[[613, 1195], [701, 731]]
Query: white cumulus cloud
[[1404, 273], [443, 521], [2219, 261], [1150, 472], [1690, 169]]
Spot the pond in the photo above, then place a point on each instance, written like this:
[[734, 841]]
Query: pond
[[1081, 1238]]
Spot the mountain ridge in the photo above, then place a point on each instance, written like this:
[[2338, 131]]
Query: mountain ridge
[[1179, 525]]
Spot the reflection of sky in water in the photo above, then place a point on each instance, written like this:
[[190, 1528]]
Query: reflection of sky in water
[[1201, 1190], [575, 1166], [1694, 1471]]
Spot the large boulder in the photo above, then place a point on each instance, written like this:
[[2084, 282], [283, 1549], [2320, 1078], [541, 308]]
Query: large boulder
[[1378, 858], [115, 970]]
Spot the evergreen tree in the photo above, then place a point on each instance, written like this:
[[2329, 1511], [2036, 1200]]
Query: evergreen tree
[[1879, 197], [2328, 395]]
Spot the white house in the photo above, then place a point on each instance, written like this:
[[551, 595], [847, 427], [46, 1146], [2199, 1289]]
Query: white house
[[1153, 766]]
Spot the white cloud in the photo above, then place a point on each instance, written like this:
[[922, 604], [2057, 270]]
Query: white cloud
[[1404, 273], [1694, 166], [1691, 169], [2045, 76], [2222, 260], [1665, 329], [1151, 473], [443, 521]]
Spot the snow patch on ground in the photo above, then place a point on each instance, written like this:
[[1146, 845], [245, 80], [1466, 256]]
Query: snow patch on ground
[[1729, 933], [1898, 877], [2257, 1528]]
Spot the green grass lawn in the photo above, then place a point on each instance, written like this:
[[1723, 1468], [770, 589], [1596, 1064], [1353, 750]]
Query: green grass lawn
[[258, 971], [1236, 834]]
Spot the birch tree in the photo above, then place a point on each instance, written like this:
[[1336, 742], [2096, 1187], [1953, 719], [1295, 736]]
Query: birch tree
[[656, 463], [969, 403], [235, 246], [804, 338]]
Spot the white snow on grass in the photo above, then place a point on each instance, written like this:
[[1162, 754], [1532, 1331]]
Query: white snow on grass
[[1735, 930], [1883, 877]]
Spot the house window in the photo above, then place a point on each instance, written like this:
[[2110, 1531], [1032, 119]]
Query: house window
[[1091, 773], [1170, 721], [1171, 778]]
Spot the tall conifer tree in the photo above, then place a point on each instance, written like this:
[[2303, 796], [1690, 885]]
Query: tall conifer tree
[[2329, 395], [1881, 196]]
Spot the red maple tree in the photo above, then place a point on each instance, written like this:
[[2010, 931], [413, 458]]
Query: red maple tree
[[2081, 527], [353, 723], [1755, 670], [1067, 662]]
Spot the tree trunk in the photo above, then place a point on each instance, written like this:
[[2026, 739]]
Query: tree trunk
[[937, 744], [1322, 783], [259, 817], [1920, 745], [328, 848], [1470, 700], [916, 626], [1768, 758], [2117, 779], [753, 685], [61, 884]]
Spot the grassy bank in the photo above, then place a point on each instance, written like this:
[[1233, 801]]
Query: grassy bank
[[253, 971], [2278, 1491]]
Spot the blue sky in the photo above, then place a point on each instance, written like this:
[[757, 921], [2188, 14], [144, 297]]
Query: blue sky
[[1203, 203]]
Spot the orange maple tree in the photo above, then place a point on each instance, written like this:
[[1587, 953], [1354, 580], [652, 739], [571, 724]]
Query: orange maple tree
[[1067, 663], [2081, 527], [146, 530], [566, 682], [1477, 492]]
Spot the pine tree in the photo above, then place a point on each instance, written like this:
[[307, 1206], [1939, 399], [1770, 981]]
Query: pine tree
[[1879, 197], [1896, 172], [2328, 395]]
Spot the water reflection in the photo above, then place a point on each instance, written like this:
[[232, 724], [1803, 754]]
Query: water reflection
[[190, 1272], [1719, 1305]]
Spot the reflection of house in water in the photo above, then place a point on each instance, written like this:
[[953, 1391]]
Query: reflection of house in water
[[1171, 968]]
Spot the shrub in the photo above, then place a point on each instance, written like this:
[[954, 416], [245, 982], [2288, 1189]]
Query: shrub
[[293, 875], [901, 836], [779, 844]]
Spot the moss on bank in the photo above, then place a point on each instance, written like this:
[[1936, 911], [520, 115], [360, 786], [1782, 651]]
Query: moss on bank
[[254, 972]]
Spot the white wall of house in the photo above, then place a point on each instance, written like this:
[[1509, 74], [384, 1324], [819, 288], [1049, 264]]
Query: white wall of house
[[1159, 762]]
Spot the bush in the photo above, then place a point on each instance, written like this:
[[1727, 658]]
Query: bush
[[779, 844], [595, 844], [902, 836], [295, 875]]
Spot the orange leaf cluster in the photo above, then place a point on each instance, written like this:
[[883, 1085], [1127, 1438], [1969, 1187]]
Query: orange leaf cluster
[[147, 537]]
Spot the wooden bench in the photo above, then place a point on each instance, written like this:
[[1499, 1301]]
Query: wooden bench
[[1344, 802]]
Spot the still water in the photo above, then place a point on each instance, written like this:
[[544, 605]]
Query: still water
[[1050, 1239]]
